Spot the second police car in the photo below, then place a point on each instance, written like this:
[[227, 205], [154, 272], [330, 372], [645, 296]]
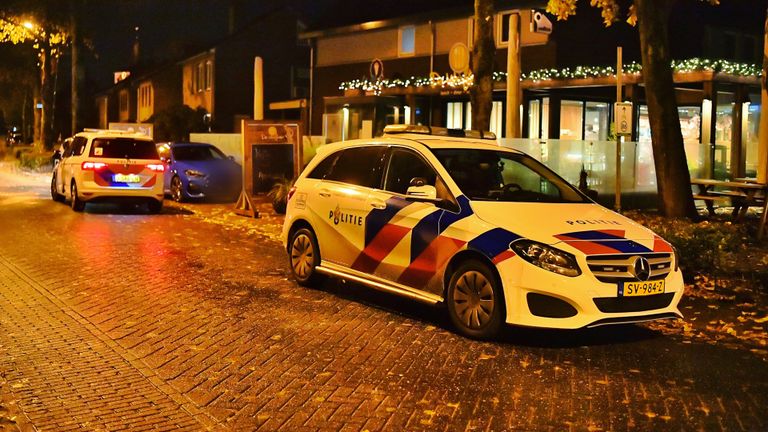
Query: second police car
[[490, 232]]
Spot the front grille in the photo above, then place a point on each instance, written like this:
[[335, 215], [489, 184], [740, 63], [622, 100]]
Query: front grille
[[633, 304], [617, 268]]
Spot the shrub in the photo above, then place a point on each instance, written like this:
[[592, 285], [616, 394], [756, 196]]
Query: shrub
[[703, 247], [34, 161]]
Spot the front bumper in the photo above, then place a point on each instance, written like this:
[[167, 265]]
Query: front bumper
[[538, 298]]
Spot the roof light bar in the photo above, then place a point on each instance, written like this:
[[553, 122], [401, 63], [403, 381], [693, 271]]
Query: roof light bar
[[438, 131]]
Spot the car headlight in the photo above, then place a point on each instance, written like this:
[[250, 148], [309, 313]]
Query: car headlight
[[547, 257], [194, 173]]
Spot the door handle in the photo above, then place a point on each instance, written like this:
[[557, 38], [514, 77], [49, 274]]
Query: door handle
[[378, 204], [324, 193]]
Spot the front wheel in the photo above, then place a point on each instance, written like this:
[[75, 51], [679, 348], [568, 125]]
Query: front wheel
[[177, 189], [475, 301], [78, 205], [55, 195], [154, 206], [304, 256]]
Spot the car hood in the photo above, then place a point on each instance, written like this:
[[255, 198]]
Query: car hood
[[588, 228]]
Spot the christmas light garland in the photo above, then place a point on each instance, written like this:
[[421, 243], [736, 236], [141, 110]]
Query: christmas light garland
[[464, 82]]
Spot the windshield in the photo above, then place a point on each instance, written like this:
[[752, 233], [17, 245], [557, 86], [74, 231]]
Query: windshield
[[490, 175], [128, 148], [197, 153]]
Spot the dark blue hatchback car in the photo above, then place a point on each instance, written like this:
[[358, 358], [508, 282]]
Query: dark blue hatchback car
[[198, 170]]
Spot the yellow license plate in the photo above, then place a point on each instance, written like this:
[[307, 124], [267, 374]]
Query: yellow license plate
[[127, 178], [634, 289]]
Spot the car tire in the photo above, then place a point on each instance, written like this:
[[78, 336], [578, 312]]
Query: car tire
[[55, 195], [475, 301], [154, 206], [304, 257], [177, 189], [78, 205]]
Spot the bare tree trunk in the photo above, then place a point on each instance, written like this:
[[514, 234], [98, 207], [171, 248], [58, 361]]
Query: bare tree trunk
[[481, 93], [48, 66], [672, 177], [76, 68]]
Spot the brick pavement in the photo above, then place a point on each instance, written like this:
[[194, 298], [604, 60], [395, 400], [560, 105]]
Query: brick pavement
[[204, 317]]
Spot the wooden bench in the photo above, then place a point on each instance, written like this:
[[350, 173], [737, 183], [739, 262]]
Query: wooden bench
[[742, 194]]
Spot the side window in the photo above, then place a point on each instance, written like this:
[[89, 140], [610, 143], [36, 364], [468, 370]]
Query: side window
[[359, 166], [77, 147], [404, 165], [324, 167]]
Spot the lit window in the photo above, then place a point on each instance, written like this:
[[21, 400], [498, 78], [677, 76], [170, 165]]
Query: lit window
[[208, 74], [407, 36], [497, 115], [454, 115], [200, 77]]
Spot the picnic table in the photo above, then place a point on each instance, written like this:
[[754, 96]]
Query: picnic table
[[743, 193]]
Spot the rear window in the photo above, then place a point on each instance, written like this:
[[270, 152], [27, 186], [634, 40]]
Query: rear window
[[120, 148]]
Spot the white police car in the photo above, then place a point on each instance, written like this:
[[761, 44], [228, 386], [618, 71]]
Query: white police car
[[490, 232], [109, 165]]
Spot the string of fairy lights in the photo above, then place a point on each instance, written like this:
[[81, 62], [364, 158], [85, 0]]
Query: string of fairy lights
[[464, 82]]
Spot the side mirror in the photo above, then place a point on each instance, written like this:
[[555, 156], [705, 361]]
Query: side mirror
[[426, 192]]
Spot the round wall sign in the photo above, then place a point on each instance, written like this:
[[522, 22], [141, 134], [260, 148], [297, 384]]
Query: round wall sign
[[458, 58]]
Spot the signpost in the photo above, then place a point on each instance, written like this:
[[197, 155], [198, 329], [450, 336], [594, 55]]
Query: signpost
[[622, 120], [271, 150]]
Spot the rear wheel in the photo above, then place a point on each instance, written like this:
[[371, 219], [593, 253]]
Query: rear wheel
[[304, 257], [154, 206], [78, 205], [177, 189], [55, 195], [475, 301]]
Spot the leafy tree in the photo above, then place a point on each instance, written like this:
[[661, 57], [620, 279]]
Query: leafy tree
[[48, 39], [483, 51], [652, 17], [176, 122]]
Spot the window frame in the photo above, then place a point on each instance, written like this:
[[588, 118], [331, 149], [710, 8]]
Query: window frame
[[400, 31], [379, 165]]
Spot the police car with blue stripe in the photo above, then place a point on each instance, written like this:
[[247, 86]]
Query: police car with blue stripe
[[450, 217]]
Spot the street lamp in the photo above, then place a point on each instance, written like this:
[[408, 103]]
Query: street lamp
[[29, 25]]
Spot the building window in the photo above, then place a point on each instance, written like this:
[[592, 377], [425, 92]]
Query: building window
[[407, 41], [454, 115], [208, 75], [497, 119], [596, 121], [571, 120], [502, 27], [145, 95], [534, 118], [123, 100], [200, 86]]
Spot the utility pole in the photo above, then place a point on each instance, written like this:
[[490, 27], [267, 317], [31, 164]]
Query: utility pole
[[77, 70], [513, 77]]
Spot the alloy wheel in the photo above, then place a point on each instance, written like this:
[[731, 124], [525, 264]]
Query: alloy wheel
[[473, 299], [176, 189], [302, 256]]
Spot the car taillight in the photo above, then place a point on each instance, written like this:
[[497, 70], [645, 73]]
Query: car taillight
[[291, 192], [93, 166], [156, 167]]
